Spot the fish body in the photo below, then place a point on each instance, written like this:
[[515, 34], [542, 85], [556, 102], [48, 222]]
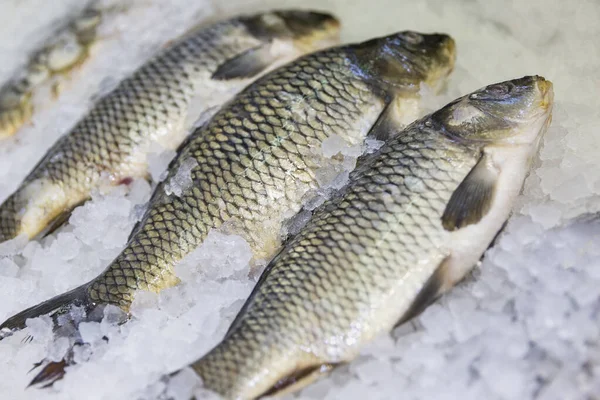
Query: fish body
[[412, 221], [110, 145], [69, 48], [257, 158], [255, 161]]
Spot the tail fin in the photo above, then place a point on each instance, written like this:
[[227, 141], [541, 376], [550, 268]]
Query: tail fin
[[54, 307]]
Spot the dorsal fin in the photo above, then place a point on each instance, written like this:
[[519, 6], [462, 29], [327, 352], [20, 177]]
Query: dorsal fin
[[431, 290], [248, 64]]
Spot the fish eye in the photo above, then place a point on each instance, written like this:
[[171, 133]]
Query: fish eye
[[498, 90], [412, 38], [494, 92]]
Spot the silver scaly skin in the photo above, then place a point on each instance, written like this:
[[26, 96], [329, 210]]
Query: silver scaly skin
[[109, 146], [414, 218], [257, 159]]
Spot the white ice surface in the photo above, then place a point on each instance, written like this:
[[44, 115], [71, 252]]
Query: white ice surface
[[524, 326]]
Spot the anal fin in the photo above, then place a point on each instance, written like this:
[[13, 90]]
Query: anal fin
[[298, 379], [246, 65], [60, 220], [429, 293], [473, 198]]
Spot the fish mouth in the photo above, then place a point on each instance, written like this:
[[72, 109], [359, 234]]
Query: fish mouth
[[449, 49], [445, 63], [307, 22], [546, 92], [312, 30], [330, 21]]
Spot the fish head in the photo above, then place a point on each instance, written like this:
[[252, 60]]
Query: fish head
[[404, 60], [306, 29], [511, 112]]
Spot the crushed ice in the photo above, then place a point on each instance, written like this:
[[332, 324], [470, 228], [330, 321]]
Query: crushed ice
[[182, 179], [524, 326]]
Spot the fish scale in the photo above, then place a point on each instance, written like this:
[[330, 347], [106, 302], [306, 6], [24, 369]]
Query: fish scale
[[236, 154], [110, 144], [383, 247], [254, 164]]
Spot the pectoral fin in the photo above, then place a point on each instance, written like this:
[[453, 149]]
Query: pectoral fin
[[246, 65], [473, 198]]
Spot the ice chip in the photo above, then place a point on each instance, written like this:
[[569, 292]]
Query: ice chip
[[13, 246], [40, 328], [139, 191], [113, 314], [335, 144], [90, 331], [67, 246], [183, 384], [438, 322], [219, 256], [372, 145], [203, 394], [8, 267], [182, 179], [296, 223], [143, 301], [158, 162], [58, 349]]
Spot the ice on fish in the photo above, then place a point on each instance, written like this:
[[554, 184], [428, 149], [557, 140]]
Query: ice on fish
[[335, 144], [183, 385], [220, 256], [14, 246], [90, 332], [40, 328], [158, 161], [8, 268], [296, 223], [559, 367], [182, 179], [372, 145]]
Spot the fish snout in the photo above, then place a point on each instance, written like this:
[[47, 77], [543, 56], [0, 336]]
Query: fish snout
[[546, 92]]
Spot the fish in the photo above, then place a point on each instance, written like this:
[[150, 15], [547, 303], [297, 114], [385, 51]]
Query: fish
[[255, 161], [414, 218], [110, 145], [69, 48]]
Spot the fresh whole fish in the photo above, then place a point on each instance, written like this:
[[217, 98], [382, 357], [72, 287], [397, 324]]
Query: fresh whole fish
[[413, 220], [70, 47], [110, 145], [257, 158]]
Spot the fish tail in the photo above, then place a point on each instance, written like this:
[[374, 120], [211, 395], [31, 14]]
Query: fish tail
[[54, 307]]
